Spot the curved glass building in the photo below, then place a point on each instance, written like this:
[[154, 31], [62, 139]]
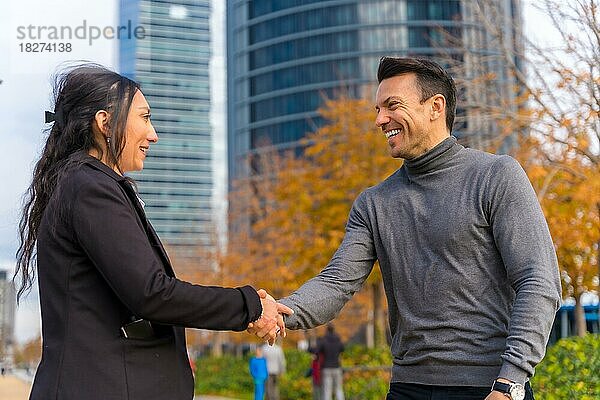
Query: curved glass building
[[286, 56], [171, 63]]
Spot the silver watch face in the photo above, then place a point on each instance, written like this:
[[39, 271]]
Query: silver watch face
[[517, 391]]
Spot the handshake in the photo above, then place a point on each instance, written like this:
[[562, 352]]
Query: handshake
[[271, 323]]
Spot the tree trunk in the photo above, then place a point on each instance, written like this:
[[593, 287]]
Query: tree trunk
[[217, 348], [580, 324], [370, 331], [378, 315]]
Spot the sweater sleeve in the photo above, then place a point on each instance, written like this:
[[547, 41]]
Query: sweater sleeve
[[522, 237], [106, 227], [321, 298]]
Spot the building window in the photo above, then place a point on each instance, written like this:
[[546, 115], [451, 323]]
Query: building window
[[303, 21]]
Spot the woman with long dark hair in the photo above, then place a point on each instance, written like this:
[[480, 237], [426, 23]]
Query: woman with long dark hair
[[113, 311]]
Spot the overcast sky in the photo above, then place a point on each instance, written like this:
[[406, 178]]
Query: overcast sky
[[25, 94]]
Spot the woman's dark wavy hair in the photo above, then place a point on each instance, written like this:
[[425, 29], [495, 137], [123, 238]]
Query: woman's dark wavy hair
[[79, 93]]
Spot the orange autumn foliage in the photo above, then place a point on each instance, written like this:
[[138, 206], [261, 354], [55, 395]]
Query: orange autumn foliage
[[299, 205]]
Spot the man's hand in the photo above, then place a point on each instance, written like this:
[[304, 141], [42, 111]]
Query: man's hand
[[271, 322], [496, 396]]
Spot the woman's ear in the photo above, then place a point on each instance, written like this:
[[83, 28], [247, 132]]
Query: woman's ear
[[101, 122]]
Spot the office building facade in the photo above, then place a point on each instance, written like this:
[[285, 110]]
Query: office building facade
[[7, 315], [286, 56], [170, 60]]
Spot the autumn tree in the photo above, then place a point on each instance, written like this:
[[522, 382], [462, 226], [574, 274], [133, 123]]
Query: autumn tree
[[29, 353], [205, 266], [551, 113], [293, 209], [298, 206]]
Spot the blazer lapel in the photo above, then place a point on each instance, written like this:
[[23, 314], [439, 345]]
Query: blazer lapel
[[150, 232], [130, 192], [162, 251]]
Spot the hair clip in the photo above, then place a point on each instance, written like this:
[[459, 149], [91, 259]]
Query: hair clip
[[56, 116], [49, 116]]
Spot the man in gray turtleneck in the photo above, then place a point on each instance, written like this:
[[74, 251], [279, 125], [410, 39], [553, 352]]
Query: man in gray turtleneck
[[469, 268]]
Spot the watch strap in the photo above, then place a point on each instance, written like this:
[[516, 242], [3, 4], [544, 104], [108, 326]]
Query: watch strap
[[502, 387]]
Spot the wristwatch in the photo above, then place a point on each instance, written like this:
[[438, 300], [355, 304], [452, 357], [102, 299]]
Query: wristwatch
[[514, 391]]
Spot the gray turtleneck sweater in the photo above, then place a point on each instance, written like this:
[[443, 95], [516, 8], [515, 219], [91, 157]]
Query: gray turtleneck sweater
[[469, 268]]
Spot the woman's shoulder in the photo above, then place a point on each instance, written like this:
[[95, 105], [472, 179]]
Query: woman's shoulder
[[90, 177], [90, 171]]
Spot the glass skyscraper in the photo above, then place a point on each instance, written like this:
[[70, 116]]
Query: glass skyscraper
[[7, 313], [171, 63], [286, 56]]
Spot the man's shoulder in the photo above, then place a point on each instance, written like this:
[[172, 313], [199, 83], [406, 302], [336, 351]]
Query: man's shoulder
[[490, 165], [392, 182], [481, 158]]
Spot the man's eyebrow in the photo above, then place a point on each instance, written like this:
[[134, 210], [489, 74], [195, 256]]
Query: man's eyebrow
[[144, 108], [393, 98], [388, 100]]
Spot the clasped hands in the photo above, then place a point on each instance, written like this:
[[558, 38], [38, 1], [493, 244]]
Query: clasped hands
[[270, 324]]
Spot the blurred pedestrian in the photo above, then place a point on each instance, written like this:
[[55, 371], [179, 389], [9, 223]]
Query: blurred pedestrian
[[258, 370], [192, 365], [330, 346], [276, 367], [315, 372], [113, 312]]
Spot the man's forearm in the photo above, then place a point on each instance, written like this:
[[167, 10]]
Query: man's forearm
[[315, 303], [320, 299]]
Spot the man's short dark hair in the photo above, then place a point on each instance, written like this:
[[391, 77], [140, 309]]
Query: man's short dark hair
[[432, 79]]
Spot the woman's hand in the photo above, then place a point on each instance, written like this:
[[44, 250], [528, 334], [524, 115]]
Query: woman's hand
[[271, 322]]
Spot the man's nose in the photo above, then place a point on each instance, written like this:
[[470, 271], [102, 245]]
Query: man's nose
[[382, 119]]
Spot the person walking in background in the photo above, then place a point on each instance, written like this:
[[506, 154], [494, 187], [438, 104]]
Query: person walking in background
[[331, 347], [258, 370], [315, 373], [276, 367]]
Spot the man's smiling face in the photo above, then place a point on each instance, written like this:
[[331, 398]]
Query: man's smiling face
[[402, 117]]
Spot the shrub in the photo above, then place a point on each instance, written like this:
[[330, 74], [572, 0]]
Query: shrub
[[570, 370], [294, 384], [367, 373], [366, 376], [225, 376]]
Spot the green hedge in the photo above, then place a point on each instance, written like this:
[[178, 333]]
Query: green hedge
[[570, 370], [361, 382], [229, 376]]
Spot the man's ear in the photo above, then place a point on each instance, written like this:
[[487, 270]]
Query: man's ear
[[101, 122], [438, 107]]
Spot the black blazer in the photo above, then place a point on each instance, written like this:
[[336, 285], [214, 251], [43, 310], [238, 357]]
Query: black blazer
[[99, 263]]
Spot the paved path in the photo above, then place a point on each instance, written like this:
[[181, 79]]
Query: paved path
[[13, 388]]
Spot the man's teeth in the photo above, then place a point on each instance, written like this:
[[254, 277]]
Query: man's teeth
[[143, 149], [393, 132]]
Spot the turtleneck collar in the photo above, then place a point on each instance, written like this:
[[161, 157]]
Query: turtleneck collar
[[434, 158]]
